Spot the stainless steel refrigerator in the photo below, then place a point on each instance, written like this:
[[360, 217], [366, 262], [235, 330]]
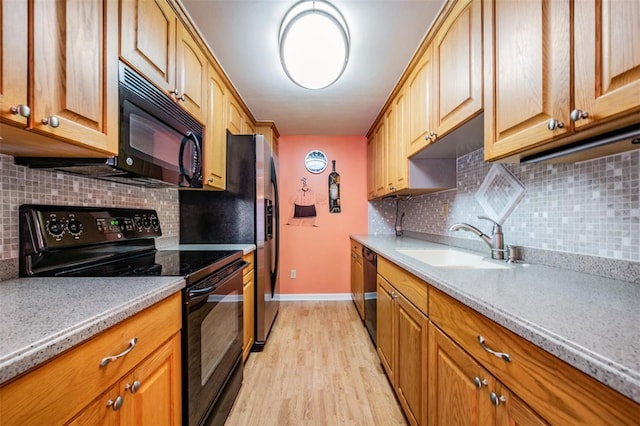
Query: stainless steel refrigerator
[[247, 212]]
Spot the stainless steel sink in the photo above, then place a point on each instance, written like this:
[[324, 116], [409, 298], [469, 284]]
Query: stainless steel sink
[[451, 258]]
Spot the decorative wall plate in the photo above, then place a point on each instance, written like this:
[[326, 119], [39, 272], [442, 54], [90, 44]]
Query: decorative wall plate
[[315, 161]]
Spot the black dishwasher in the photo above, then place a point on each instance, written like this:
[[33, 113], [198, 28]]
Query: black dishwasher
[[370, 291]]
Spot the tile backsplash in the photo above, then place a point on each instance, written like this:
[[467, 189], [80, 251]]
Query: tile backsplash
[[21, 185], [587, 208]]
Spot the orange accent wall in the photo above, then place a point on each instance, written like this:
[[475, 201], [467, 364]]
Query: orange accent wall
[[321, 254]]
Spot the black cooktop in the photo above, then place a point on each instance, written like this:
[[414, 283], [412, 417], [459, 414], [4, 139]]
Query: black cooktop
[[188, 264]]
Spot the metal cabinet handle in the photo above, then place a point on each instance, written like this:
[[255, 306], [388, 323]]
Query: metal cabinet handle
[[133, 387], [179, 97], [108, 359], [496, 400], [115, 404], [505, 356], [479, 383], [22, 110], [52, 121], [555, 124], [432, 135], [578, 114]]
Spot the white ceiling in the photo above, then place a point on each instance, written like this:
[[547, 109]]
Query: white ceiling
[[243, 35]]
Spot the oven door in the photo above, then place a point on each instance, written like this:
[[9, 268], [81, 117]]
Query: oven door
[[212, 339]]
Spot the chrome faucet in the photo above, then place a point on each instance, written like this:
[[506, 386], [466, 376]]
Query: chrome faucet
[[495, 242]]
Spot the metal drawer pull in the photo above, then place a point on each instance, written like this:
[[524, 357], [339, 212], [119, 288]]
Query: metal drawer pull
[[108, 359], [502, 355]]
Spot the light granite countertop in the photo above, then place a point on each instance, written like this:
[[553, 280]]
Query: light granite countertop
[[590, 322], [42, 317]]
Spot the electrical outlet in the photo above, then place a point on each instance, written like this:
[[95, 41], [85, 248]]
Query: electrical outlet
[[445, 209], [293, 274]]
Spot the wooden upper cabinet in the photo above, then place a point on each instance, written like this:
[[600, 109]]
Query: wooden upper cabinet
[[527, 58], [215, 142], [148, 39], [75, 71], [379, 175], [191, 74], [68, 90], [457, 71], [532, 66], [607, 68], [371, 167], [419, 91], [159, 46], [400, 170], [235, 117], [14, 101]]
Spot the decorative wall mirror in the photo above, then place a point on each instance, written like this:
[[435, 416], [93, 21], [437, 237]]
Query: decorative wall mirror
[[315, 161]]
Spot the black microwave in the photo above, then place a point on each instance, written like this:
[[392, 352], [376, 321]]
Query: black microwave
[[159, 144]]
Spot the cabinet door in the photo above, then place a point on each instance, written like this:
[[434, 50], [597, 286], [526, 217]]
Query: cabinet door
[[14, 62], [527, 73], [458, 385], [391, 159], [215, 144], [607, 59], [381, 160], [75, 82], [157, 399], [412, 363], [148, 39], [419, 89], [235, 117], [385, 335], [104, 411], [513, 411], [357, 280], [248, 319], [457, 53], [400, 169], [191, 74], [371, 167]]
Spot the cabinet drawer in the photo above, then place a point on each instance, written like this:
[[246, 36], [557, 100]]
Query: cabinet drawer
[[411, 287], [60, 388], [356, 247], [557, 391]]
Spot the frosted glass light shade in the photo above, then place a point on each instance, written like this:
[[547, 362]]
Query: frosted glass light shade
[[314, 44]]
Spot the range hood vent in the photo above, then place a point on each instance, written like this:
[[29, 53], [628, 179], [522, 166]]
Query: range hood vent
[[629, 136]]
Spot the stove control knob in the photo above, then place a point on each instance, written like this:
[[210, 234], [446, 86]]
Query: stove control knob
[[146, 222], [155, 223], [55, 228], [137, 222], [75, 227]]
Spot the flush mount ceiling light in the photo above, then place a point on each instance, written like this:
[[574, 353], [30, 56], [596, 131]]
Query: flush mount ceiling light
[[314, 44]]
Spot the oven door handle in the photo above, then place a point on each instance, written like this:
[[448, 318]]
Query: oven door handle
[[203, 292]]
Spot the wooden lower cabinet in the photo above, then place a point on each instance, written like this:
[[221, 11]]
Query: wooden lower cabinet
[[74, 387], [147, 396], [248, 306], [357, 277], [402, 339], [462, 392]]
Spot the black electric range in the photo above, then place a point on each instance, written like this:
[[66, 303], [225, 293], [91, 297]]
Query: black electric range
[[62, 241]]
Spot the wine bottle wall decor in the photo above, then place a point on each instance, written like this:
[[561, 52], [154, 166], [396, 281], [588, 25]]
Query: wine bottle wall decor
[[334, 189]]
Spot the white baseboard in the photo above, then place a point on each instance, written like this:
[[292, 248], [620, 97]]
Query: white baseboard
[[314, 297]]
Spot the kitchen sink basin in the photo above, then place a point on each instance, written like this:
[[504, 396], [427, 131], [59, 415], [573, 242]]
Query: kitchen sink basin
[[451, 258]]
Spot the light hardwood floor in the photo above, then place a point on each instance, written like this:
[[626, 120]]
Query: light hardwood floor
[[318, 367]]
